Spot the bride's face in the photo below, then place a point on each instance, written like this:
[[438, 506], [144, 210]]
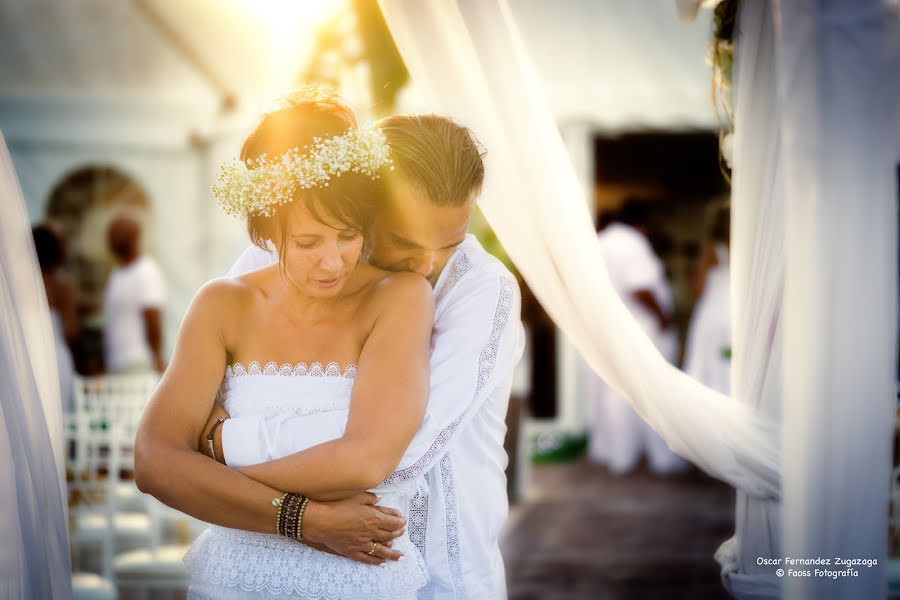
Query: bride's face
[[318, 257]]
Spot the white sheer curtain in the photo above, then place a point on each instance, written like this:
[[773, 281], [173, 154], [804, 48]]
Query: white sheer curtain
[[814, 204], [34, 552], [757, 264], [839, 85], [467, 58]]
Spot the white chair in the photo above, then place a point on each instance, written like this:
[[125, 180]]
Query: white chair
[[161, 566], [119, 400], [95, 519], [90, 586]]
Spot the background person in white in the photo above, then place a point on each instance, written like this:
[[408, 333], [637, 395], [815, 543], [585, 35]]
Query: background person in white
[[707, 356], [476, 342], [135, 294], [619, 437]]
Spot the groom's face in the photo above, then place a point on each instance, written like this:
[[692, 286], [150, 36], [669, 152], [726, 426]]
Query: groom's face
[[412, 234]]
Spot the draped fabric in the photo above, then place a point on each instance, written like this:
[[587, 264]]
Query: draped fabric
[[839, 86], [757, 264], [34, 554], [467, 58]]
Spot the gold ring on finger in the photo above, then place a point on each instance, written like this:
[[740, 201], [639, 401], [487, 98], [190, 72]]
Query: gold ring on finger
[[374, 547]]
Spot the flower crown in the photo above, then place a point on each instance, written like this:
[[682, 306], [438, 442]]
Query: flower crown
[[260, 184]]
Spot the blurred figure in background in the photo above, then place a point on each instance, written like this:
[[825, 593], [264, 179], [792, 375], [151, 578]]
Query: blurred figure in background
[[135, 294], [619, 437], [63, 300], [708, 349]]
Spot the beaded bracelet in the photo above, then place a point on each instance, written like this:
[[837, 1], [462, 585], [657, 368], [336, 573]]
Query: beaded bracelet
[[289, 518], [300, 518]]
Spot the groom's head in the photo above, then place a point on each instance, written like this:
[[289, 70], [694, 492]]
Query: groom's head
[[437, 175]]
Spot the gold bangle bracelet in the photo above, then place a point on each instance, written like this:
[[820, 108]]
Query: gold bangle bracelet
[[209, 437], [279, 502]]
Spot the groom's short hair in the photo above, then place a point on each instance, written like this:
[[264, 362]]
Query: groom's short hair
[[437, 154]]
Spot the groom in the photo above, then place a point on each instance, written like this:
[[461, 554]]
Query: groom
[[476, 342]]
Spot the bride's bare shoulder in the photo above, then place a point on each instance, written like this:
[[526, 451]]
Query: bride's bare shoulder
[[389, 290], [226, 295]]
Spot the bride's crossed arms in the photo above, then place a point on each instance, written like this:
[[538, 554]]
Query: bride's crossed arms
[[238, 318]]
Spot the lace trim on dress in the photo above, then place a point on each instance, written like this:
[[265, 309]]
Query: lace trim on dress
[[301, 369], [230, 559], [486, 362]]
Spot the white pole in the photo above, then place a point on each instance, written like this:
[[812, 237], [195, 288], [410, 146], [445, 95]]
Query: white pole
[[571, 370], [838, 64]]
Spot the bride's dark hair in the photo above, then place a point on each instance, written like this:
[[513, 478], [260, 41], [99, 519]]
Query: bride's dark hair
[[349, 199]]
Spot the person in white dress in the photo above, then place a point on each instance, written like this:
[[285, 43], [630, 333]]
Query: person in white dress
[[708, 349], [476, 343], [619, 437], [353, 336]]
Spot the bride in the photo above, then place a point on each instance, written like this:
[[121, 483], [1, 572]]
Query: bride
[[308, 185]]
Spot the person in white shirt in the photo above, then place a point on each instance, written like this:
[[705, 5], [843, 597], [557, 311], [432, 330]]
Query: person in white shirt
[[619, 437], [133, 303], [476, 342]]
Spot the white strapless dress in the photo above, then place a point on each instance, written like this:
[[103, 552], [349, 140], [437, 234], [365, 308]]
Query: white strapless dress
[[232, 563]]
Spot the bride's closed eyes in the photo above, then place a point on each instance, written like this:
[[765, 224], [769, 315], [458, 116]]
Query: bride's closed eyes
[[310, 242]]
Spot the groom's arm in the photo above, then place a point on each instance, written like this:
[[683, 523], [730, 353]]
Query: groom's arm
[[476, 343]]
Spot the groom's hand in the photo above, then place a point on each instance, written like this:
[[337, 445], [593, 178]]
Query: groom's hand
[[350, 528]]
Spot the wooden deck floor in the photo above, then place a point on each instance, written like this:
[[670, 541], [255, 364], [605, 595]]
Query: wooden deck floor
[[585, 534]]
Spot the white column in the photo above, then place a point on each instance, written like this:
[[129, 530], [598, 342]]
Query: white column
[[571, 368], [838, 65]]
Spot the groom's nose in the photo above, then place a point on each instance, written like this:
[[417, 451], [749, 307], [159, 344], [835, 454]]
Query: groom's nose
[[423, 265]]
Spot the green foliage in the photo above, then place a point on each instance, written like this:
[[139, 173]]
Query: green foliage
[[556, 447], [480, 228], [388, 72], [724, 19]]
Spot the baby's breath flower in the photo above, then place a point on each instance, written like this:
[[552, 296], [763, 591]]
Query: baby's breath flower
[[257, 187]]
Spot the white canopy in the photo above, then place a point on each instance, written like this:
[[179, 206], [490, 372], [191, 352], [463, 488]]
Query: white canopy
[[616, 65]]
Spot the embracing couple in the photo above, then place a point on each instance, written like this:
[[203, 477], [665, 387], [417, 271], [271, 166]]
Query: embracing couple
[[335, 408]]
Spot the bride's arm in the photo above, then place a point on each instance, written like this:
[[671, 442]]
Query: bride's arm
[[386, 408], [167, 464]]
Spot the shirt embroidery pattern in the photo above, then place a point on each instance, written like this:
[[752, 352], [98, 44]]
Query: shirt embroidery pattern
[[453, 548], [486, 362], [418, 525]]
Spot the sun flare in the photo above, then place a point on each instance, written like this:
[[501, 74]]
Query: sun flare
[[291, 27]]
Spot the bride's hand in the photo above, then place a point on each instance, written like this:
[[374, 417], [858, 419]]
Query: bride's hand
[[203, 444], [353, 527]]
